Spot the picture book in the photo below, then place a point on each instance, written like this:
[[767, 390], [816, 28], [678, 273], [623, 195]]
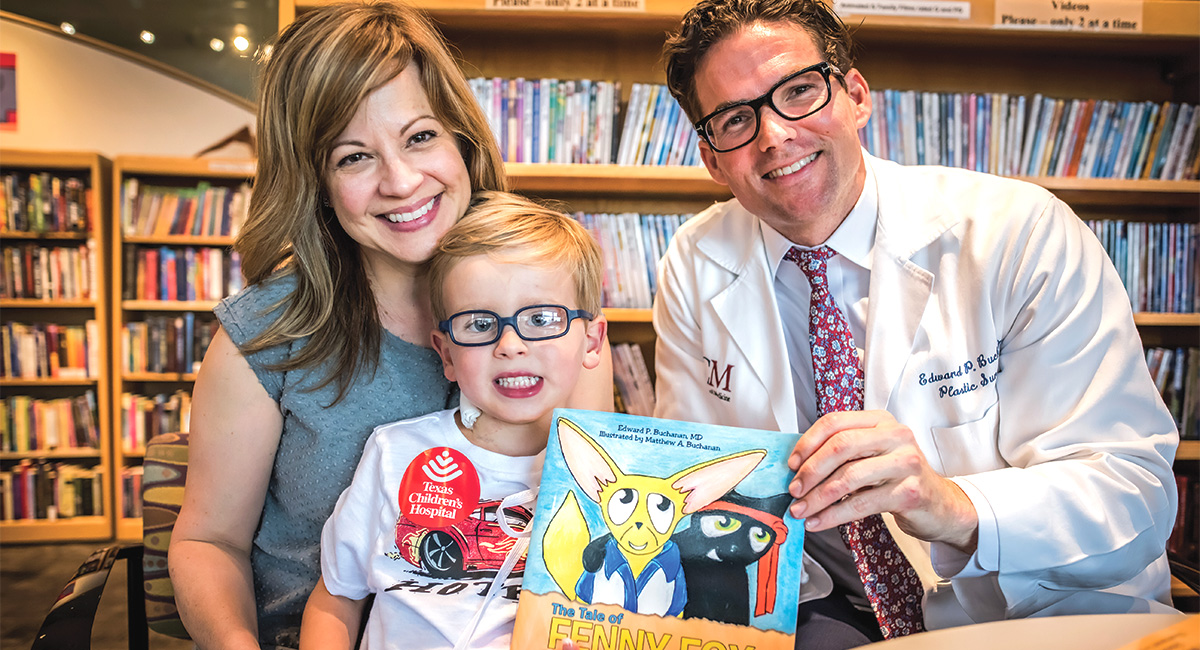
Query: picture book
[[654, 534]]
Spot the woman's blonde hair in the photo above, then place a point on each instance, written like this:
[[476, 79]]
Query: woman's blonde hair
[[514, 229], [319, 70]]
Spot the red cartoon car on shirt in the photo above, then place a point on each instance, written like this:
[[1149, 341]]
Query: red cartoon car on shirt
[[472, 544]]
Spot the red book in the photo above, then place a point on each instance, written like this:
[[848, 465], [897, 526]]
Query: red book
[[1175, 542], [151, 275], [1081, 130]]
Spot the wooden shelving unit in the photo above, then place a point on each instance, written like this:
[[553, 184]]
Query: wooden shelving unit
[[170, 172], [94, 170], [1188, 450]]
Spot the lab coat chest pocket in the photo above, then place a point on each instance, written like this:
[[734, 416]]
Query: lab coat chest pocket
[[970, 447]]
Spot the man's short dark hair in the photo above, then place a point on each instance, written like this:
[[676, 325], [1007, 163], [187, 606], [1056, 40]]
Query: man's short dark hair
[[711, 20]]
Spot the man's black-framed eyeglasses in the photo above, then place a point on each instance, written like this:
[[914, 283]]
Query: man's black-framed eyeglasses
[[795, 97], [533, 323]]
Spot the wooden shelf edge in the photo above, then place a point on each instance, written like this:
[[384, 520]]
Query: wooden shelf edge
[[129, 529], [180, 240], [654, 180], [75, 529], [637, 180], [52, 454], [37, 303], [158, 376], [168, 305], [1188, 450], [49, 235], [167, 166], [81, 161], [625, 315], [1150, 319], [47, 381]]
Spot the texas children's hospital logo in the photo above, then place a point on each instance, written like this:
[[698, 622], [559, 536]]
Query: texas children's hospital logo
[[439, 488], [443, 528]]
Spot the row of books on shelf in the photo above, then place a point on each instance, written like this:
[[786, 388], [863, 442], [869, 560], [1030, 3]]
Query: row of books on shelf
[[633, 391], [181, 273], [49, 272], [1018, 135], [576, 121], [50, 490], [50, 350], [551, 120], [1176, 373], [41, 202], [166, 344], [1157, 262], [656, 131], [146, 416], [631, 244], [29, 424], [205, 210]]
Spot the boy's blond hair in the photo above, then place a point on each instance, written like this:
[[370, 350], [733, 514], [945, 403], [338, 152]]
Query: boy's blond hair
[[514, 229]]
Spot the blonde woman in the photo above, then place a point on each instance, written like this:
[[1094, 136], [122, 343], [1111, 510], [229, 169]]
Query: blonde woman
[[369, 147]]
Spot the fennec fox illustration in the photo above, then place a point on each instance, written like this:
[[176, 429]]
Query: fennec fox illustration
[[635, 564]]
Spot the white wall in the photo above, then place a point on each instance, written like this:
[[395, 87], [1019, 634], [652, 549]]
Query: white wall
[[74, 97]]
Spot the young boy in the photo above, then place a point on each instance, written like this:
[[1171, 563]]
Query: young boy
[[516, 288]]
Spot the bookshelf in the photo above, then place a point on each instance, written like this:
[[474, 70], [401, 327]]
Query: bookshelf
[[72, 297], [160, 359], [1156, 62]]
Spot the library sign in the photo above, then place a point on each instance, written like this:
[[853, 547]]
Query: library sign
[[1110, 16], [916, 8], [566, 5]]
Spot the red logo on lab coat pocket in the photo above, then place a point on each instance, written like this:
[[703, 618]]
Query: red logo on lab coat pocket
[[717, 377]]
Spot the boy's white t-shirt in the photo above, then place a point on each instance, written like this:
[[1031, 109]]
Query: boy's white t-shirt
[[413, 609]]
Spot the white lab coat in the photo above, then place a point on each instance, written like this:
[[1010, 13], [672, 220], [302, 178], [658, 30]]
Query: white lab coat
[[1067, 452]]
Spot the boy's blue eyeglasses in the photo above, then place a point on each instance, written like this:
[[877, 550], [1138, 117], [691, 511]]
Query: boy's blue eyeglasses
[[534, 323]]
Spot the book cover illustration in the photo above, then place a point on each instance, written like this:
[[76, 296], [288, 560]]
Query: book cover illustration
[[654, 534]]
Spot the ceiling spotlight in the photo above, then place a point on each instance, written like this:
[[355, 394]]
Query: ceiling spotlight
[[147, 37], [216, 44], [67, 28], [241, 43]]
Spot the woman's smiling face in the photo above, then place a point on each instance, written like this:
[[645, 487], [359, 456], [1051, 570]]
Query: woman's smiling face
[[395, 176]]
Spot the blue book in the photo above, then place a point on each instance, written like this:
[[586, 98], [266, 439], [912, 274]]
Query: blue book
[[535, 128], [1128, 113], [919, 118], [164, 254], [618, 486], [1146, 119], [189, 343], [894, 144], [1106, 147]]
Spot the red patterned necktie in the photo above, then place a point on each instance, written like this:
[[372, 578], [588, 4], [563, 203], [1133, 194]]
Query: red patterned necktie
[[891, 584]]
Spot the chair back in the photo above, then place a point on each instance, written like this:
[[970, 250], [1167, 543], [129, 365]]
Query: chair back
[[162, 495]]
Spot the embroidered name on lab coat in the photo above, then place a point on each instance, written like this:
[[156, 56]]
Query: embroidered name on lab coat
[[972, 374]]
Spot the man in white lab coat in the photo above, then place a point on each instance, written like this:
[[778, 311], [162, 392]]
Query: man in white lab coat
[[1011, 433]]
